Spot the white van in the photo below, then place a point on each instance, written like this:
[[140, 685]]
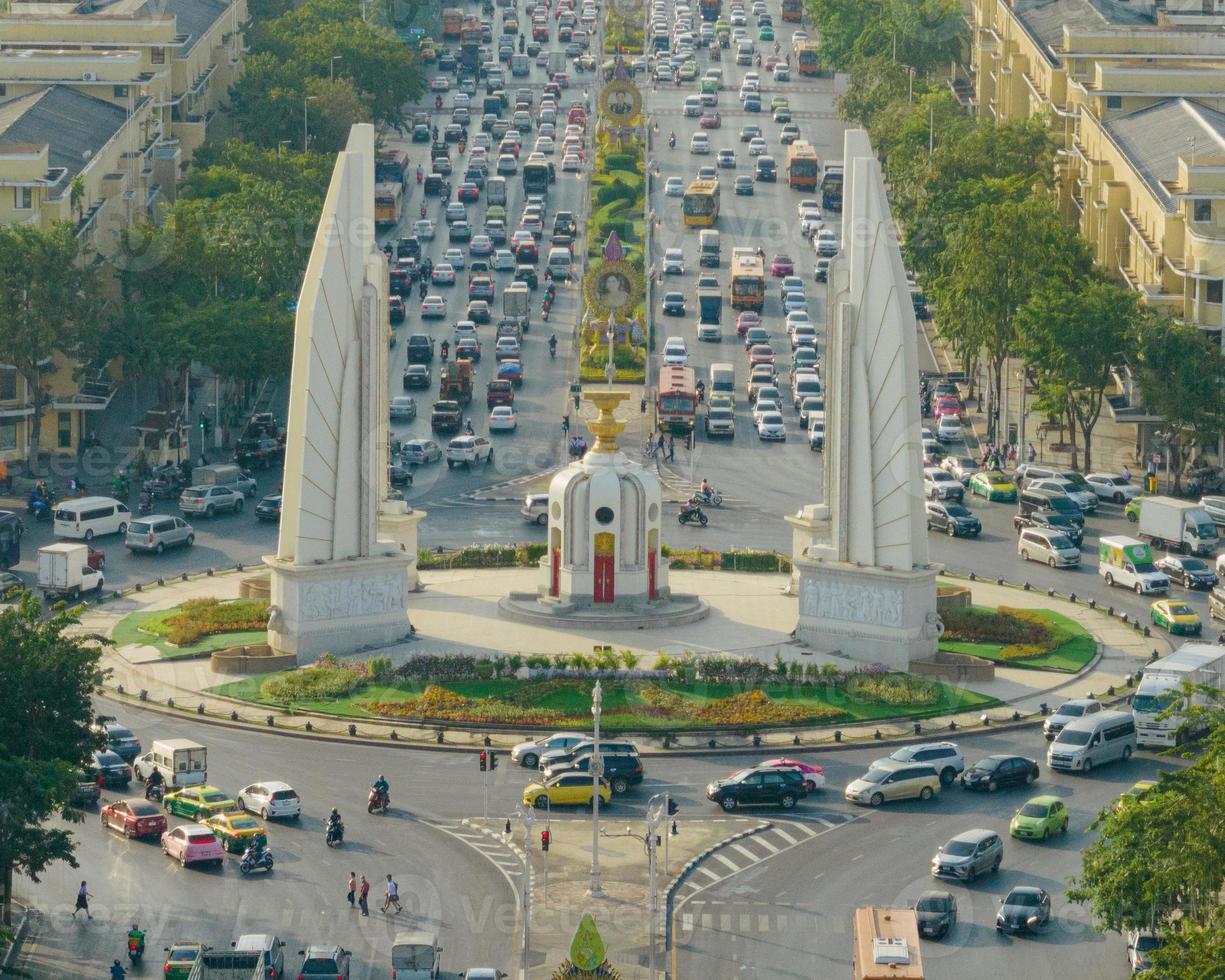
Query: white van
[[495, 191], [1051, 547], [1093, 741], [693, 105], [181, 762], [87, 517], [559, 263]]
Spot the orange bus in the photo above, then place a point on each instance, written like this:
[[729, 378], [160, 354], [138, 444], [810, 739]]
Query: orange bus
[[793, 10], [803, 167], [748, 279], [807, 57], [388, 203], [676, 404]]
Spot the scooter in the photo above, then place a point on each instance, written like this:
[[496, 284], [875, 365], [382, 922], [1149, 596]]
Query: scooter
[[672, 141], [136, 949], [146, 504], [712, 499], [40, 506], [334, 835], [691, 514], [255, 858], [377, 801], [155, 793]]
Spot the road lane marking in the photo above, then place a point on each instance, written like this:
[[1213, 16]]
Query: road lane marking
[[763, 923], [725, 922], [710, 874], [765, 842], [784, 835], [741, 849], [746, 922], [729, 864]]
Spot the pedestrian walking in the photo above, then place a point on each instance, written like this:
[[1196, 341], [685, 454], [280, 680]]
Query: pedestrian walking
[[393, 896], [1031, 454], [363, 892], [352, 888], [671, 449], [660, 448], [83, 897], [1126, 473]]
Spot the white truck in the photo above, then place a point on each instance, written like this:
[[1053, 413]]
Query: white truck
[[224, 475], [1200, 663], [1180, 525], [64, 572], [181, 762]]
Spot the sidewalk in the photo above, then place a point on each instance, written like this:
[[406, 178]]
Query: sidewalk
[[456, 613]]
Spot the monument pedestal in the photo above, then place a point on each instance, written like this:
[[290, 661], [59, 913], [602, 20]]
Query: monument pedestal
[[810, 528], [869, 614], [398, 522], [338, 606]]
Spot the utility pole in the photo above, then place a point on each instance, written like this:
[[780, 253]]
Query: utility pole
[[597, 703], [527, 818]]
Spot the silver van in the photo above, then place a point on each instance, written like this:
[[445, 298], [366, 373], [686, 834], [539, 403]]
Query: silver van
[[560, 262], [708, 248], [495, 191], [157, 532], [1093, 741], [1052, 547], [87, 517]]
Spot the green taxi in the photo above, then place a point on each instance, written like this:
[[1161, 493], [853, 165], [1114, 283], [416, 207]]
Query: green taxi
[[993, 485], [1176, 616], [1132, 510], [780, 102], [181, 960], [721, 401], [198, 802], [710, 86], [1039, 819]]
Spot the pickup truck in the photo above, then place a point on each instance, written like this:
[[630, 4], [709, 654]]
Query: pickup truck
[[499, 393], [445, 417]]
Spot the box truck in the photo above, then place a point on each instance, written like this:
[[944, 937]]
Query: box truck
[[1129, 563], [1180, 525], [64, 572], [1200, 663], [181, 762]]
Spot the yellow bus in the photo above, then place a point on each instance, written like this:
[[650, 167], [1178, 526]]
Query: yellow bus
[[886, 945], [748, 279], [807, 57], [388, 203], [701, 203], [803, 167]]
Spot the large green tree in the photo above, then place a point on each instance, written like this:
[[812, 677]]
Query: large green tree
[[1073, 337], [51, 301], [49, 672]]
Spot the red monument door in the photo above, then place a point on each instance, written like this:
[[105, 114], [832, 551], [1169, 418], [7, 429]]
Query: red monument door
[[605, 563], [555, 572], [651, 590]]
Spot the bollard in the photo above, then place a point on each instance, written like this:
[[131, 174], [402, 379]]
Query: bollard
[[160, 580], [393, 735], [1072, 598], [952, 726], [711, 744], [756, 741], [1110, 691], [200, 708], [999, 581], [1092, 603], [795, 740], [1025, 586], [918, 728], [438, 737], [309, 727], [488, 740], [170, 702], [877, 735], [233, 716], [1050, 593], [838, 735], [1044, 709], [271, 721], [184, 576], [143, 695], [352, 729], [118, 688], [984, 719], [973, 578], [209, 572]]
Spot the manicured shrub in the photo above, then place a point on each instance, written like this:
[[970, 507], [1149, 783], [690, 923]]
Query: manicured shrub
[[197, 618]]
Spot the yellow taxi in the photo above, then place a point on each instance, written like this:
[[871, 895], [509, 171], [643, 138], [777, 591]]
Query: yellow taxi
[[565, 789], [1176, 616], [1136, 792], [237, 831], [993, 485]]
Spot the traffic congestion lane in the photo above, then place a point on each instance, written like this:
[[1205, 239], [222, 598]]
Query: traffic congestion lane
[[778, 915]]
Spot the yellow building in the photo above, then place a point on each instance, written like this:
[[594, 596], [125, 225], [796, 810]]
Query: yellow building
[[72, 392]]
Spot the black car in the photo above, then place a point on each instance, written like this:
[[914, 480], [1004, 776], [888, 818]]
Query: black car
[[758, 787], [416, 376], [527, 274], [408, 248], [1063, 523], [1193, 573], [420, 349], [564, 224], [259, 452], [767, 171], [421, 134], [120, 740], [110, 769], [399, 475], [743, 185], [919, 302], [453, 132], [953, 519], [621, 771], [446, 62], [395, 308], [674, 304], [1000, 770], [937, 914], [1024, 908], [269, 509]]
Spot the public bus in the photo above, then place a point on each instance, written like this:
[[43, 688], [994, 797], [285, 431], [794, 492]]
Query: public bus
[[886, 945], [701, 203], [807, 57], [676, 403], [388, 203], [803, 167], [793, 10], [748, 279], [831, 186], [710, 9], [535, 177]]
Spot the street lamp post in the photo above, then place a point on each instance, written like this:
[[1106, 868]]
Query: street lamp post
[[657, 808], [305, 102], [597, 703], [527, 818], [332, 67]]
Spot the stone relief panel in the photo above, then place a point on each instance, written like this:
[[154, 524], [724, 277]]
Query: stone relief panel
[[869, 605], [366, 595]]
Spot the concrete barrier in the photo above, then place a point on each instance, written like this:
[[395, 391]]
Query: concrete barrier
[[255, 659], [958, 668]]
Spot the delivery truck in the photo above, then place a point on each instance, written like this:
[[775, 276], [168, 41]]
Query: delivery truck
[[1200, 663], [1180, 525], [181, 762], [452, 22], [516, 305], [224, 475], [1129, 563], [64, 572]]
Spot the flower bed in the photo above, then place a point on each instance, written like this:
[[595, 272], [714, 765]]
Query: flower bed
[[1038, 639], [483, 556], [197, 618]]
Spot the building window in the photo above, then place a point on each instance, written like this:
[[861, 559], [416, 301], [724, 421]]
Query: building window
[[121, 91], [8, 384], [8, 436], [1212, 291], [23, 198], [64, 432], [158, 56], [1114, 102], [1203, 209], [3, 90]]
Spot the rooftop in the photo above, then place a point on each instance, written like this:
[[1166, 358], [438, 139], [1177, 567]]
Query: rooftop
[[1046, 19], [193, 18], [72, 125], [1155, 137]]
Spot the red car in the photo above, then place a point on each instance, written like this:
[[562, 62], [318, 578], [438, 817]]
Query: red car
[[96, 559], [761, 354], [746, 320], [711, 120], [948, 406], [814, 776], [134, 818], [782, 266]]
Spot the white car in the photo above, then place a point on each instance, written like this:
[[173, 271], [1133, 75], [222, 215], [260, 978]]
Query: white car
[[468, 450], [433, 307], [770, 427], [811, 221], [502, 419], [674, 262], [506, 349], [675, 352], [795, 303], [948, 429], [545, 145], [765, 406], [504, 260], [1111, 486], [270, 799], [443, 274], [826, 242], [454, 257], [757, 147], [726, 158], [570, 163], [699, 143], [674, 187], [804, 336], [424, 229], [798, 318]]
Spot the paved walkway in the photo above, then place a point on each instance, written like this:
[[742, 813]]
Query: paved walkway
[[750, 616]]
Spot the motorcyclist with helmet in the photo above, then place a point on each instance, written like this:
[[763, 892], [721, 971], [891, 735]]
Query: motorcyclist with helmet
[[382, 790], [154, 784]]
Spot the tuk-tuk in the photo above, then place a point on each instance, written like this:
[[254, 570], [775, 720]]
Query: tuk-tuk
[[414, 956]]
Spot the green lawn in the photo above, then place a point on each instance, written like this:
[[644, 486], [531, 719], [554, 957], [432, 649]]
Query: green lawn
[[148, 628], [1076, 650], [624, 706]]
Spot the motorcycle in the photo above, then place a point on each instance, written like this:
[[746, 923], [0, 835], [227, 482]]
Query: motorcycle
[[255, 858], [672, 141], [437, 101], [136, 948], [155, 793], [121, 488], [40, 506], [552, 348], [712, 499], [377, 800], [691, 514], [146, 504], [334, 835]]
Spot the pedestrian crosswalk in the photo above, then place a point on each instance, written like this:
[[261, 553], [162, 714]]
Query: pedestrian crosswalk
[[507, 857], [740, 918]]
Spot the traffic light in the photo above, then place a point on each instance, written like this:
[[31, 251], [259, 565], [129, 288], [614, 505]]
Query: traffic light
[[484, 762], [544, 840], [672, 807], [493, 760]]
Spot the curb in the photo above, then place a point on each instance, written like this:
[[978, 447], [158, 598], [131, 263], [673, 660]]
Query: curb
[[12, 954]]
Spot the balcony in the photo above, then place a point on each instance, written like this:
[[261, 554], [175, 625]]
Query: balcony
[[1125, 406], [94, 394]]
